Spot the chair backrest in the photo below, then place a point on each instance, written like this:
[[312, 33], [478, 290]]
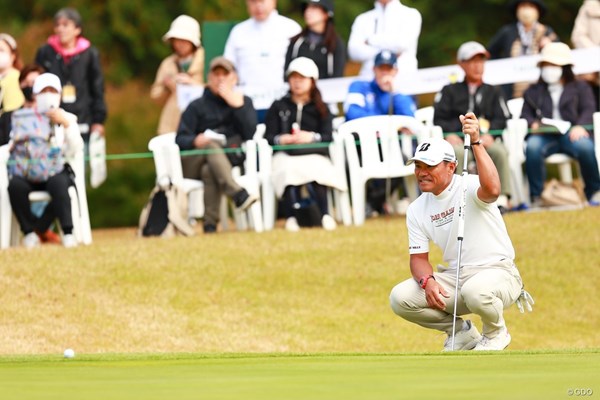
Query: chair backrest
[[515, 106], [167, 159], [425, 115], [380, 133]]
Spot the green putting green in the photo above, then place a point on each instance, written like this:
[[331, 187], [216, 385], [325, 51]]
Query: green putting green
[[506, 375]]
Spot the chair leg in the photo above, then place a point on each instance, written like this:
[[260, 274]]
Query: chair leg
[[566, 173]]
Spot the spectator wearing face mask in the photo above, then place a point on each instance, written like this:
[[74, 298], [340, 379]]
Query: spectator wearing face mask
[[11, 97], [558, 95], [524, 37]]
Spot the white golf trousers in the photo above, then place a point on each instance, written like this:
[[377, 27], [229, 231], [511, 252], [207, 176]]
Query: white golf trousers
[[483, 290]]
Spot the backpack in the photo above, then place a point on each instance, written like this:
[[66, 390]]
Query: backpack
[[34, 153], [165, 213]]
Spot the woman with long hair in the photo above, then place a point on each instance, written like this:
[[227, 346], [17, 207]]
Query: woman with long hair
[[319, 40], [302, 170]]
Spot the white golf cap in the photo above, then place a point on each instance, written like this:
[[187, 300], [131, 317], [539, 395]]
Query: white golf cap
[[433, 151], [468, 50], [304, 66], [46, 80], [557, 53], [186, 28]]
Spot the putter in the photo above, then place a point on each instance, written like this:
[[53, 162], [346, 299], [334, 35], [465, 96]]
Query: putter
[[461, 230]]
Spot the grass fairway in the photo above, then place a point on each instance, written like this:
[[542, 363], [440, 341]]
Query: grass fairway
[[507, 375]]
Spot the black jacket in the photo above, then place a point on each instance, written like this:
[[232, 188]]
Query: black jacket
[[212, 112], [453, 101], [85, 73], [576, 104], [500, 46], [331, 65], [284, 112]]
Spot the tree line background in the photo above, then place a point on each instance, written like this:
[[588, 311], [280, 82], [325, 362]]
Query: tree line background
[[128, 35]]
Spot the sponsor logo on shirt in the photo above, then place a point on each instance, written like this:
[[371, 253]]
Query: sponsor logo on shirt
[[443, 218]]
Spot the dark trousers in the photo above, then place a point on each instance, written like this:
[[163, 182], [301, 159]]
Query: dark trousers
[[60, 207], [293, 194]]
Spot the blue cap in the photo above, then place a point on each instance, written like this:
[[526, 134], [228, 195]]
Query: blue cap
[[386, 57]]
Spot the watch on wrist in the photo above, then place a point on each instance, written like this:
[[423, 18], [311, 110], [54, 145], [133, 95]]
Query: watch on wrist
[[477, 143]]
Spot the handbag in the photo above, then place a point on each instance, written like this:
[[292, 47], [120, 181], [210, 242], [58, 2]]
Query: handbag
[[561, 194]]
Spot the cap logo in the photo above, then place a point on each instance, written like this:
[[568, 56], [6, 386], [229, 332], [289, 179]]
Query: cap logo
[[424, 147]]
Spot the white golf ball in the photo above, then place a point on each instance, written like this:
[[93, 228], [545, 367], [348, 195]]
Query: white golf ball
[[69, 353]]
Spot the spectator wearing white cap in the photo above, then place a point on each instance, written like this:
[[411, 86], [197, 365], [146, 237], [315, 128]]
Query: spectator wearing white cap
[[185, 66], [302, 118], [70, 56], [319, 40], [390, 25], [257, 47], [486, 101], [11, 97], [55, 136], [558, 95]]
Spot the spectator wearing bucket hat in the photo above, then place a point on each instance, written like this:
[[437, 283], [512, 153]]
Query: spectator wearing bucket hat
[[390, 25], [486, 101], [319, 40], [526, 36], [224, 110], [301, 118], [11, 97], [558, 95], [257, 47], [72, 57], [185, 66]]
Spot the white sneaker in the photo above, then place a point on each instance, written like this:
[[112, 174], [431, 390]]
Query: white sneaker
[[69, 241], [466, 339], [31, 240], [291, 225], [499, 342], [328, 222]]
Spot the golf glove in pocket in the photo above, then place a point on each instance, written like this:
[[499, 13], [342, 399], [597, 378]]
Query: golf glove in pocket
[[525, 300]]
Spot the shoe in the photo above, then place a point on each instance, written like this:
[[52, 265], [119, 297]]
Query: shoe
[[536, 202], [328, 223], [291, 224], [49, 237], [595, 199], [243, 199], [210, 228], [31, 240], [499, 342], [69, 241], [466, 339]]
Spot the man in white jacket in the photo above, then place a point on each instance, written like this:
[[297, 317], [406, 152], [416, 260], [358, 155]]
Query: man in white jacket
[[388, 26], [257, 47]]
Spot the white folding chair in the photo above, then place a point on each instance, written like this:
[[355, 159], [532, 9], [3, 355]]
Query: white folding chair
[[9, 227], [375, 133], [339, 201], [167, 162]]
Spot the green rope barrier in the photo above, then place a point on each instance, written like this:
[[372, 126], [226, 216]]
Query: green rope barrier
[[318, 145]]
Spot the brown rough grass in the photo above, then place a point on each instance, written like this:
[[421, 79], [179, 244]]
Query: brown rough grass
[[314, 291]]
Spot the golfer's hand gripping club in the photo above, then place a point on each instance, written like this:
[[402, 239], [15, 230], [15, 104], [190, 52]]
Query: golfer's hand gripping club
[[526, 300]]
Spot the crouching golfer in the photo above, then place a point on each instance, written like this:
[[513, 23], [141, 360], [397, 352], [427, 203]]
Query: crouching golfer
[[489, 279]]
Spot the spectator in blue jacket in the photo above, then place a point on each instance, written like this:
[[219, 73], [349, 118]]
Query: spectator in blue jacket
[[378, 97]]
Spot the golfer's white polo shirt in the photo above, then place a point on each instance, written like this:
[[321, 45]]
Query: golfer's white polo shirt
[[435, 218]]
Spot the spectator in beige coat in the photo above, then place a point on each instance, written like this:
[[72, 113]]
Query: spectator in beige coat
[[586, 33], [185, 66]]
